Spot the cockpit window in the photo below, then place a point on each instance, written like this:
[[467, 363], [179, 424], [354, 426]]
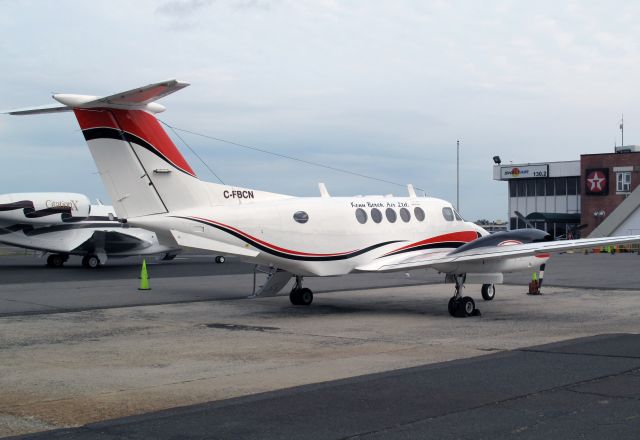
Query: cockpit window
[[457, 215], [301, 217], [447, 213]]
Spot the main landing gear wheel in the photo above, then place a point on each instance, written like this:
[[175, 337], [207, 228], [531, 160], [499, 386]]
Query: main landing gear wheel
[[220, 259], [488, 292], [300, 296], [461, 306], [90, 261], [56, 260]]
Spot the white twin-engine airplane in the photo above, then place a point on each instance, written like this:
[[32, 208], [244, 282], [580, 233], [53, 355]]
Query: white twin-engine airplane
[[63, 224], [153, 187]]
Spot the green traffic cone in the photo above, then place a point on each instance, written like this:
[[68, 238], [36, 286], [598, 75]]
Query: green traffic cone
[[144, 277]]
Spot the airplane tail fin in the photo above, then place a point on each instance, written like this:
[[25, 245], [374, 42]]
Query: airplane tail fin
[[140, 166]]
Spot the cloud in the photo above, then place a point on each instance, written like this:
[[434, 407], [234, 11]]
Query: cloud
[[183, 8]]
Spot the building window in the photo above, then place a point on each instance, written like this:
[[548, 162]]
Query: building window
[[361, 216], [540, 187], [572, 186], [561, 186], [551, 187], [531, 187], [522, 188], [513, 188], [623, 182]]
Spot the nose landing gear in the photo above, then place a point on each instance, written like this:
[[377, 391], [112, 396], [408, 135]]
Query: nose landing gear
[[462, 306]]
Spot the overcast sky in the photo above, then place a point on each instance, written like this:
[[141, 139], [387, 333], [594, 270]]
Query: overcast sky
[[383, 88]]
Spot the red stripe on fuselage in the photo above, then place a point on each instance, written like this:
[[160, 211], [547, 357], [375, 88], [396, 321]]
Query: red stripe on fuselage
[[272, 246], [136, 122], [543, 255], [464, 236]]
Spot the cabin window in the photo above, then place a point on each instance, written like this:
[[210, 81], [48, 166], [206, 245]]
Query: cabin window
[[391, 215], [361, 216], [405, 215], [301, 217], [419, 213], [376, 215], [447, 213]]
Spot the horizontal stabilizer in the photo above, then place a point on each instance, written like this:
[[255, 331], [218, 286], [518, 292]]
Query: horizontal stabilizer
[[141, 98], [39, 110], [198, 242]]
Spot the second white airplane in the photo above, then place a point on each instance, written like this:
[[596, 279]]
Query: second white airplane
[[153, 187]]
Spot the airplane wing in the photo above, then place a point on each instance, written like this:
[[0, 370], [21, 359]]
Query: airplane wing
[[426, 260], [52, 241]]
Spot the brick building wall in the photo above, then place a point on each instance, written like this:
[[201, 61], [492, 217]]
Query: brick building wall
[[609, 202]]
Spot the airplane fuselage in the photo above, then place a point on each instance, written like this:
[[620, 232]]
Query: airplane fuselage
[[326, 236]]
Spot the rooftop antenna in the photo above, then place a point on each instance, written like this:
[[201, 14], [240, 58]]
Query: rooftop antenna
[[622, 129]]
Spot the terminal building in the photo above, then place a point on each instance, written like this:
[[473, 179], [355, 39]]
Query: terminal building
[[598, 195]]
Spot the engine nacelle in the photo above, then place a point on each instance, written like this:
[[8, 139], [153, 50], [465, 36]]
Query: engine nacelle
[[42, 208]]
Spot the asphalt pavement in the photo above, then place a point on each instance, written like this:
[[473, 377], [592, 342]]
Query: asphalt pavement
[[587, 388]]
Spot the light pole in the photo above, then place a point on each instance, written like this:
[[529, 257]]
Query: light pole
[[458, 176]]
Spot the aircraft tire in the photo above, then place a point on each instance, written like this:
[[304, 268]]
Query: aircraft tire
[[294, 297], [56, 260], [468, 306], [488, 291], [90, 261], [306, 297], [452, 306]]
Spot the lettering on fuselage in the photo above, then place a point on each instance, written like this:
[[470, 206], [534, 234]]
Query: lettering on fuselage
[[379, 204], [238, 194], [71, 204]]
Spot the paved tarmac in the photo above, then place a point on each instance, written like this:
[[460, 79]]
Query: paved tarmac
[[115, 284], [587, 388], [76, 353]]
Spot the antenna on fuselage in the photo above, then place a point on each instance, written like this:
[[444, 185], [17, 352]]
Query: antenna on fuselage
[[323, 190], [412, 191]]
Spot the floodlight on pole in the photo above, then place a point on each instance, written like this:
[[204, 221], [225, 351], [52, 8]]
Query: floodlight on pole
[[458, 175]]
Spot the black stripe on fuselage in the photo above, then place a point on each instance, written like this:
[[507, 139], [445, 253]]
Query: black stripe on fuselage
[[30, 212], [114, 133], [291, 256], [30, 231]]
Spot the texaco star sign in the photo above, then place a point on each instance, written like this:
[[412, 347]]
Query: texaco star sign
[[596, 181]]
